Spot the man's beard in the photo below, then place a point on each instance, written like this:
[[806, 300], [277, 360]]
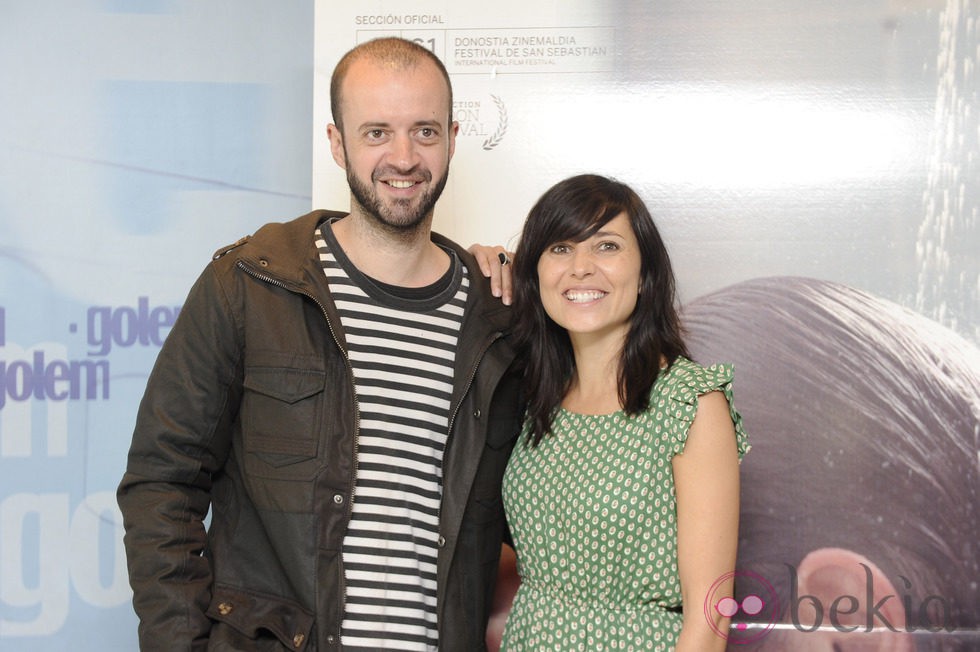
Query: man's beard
[[396, 221]]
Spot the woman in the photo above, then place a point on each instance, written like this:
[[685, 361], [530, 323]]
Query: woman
[[622, 494]]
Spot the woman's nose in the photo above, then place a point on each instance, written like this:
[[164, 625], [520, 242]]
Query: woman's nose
[[582, 263]]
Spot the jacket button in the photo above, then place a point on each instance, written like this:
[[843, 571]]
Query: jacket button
[[330, 638], [263, 262], [339, 499], [298, 640], [477, 414], [442, 541], [225, 608]]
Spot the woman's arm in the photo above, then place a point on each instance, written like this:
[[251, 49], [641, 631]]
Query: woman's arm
[[707, 486]]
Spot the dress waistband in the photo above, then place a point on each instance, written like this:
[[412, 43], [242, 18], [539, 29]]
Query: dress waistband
[[597, 602]]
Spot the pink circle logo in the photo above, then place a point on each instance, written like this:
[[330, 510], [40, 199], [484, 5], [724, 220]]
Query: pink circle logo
[[753, 617]]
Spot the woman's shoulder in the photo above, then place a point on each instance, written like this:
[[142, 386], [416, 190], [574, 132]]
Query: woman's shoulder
[[686, 375], [684, 382]]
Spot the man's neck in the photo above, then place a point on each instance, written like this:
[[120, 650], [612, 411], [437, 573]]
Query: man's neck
[[406, 260]]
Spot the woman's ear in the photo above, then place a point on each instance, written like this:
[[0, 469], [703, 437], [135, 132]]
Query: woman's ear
[[854, 604]]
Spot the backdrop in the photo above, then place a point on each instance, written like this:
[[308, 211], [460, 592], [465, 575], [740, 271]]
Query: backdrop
[[136, 137], [808, 163]]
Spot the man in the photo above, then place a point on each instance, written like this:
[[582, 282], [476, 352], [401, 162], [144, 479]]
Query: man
[[338, 392]]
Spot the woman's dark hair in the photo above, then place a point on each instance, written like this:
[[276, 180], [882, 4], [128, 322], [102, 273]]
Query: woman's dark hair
[[572, 211]]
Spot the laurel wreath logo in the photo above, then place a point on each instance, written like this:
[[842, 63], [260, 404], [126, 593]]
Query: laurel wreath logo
[[498, 135]]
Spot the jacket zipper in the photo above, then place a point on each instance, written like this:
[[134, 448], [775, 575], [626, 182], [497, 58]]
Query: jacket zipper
[[357, 413]]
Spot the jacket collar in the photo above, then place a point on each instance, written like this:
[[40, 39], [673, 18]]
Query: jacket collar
[[285, 251]]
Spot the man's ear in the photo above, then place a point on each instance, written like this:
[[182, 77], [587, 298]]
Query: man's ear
[[854, 594], [337, 145], [453, 132]]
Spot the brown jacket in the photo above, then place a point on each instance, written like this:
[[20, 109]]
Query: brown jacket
[[250, 413]]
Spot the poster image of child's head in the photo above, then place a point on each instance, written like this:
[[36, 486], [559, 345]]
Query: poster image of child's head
[[860, 495]]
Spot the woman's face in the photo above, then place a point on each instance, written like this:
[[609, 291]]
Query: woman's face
[[590, 287]]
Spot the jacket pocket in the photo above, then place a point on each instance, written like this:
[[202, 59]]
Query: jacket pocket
[[247, 621], [282, 411]]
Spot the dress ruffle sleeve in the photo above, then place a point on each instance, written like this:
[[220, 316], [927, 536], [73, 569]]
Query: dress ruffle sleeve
[[686, 382]]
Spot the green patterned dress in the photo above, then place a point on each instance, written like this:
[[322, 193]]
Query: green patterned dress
[[594, 521]]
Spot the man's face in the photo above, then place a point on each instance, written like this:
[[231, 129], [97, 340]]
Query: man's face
[[396, 142]]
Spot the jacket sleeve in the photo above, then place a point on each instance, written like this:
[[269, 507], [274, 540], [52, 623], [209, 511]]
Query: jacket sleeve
[[182, 437]]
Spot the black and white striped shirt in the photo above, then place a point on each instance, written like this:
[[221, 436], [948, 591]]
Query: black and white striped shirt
[[402, 345]]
